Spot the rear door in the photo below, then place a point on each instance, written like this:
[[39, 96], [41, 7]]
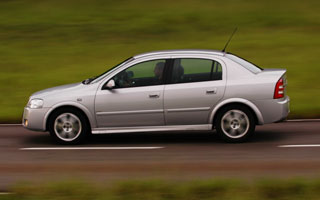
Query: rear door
[[195, 86]]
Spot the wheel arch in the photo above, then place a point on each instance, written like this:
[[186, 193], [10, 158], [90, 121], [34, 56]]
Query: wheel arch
[[237, 101], [72, 105]]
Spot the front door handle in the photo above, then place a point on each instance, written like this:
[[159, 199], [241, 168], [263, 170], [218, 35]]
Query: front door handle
[[212, 91], [154, 95]]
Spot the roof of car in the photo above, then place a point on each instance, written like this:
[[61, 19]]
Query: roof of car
[[183, 51]]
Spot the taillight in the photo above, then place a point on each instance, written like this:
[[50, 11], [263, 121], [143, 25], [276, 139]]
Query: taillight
[[279, 90]]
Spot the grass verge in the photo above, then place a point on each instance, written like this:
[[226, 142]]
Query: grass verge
[[157, 190], [53, 42]]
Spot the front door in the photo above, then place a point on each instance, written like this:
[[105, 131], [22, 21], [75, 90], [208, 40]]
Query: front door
[[136, 99]]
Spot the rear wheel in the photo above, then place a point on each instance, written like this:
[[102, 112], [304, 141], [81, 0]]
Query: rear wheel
[[235, 123], [68, 126]]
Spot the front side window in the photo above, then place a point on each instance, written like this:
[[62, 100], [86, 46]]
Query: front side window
[[186, 70], [98, 78], [142, 74]]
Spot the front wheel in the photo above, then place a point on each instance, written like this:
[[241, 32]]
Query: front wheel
[[68, 126], [235, 124]]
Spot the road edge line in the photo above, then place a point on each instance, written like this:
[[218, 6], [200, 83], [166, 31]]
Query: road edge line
[[10, 124], [298, 145], [86, 148], [302, 120], [289, 120]]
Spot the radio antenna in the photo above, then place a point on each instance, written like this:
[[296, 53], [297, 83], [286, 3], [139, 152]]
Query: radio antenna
[[235, 30]]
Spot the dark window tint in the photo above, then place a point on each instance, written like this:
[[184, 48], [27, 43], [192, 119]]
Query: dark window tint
[[142, 74], [187, 70]]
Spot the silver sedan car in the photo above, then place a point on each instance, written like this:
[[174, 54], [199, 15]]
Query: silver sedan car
[[174, 90]]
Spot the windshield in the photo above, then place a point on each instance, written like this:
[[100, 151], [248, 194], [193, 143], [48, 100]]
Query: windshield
[[97, 78], [248, 65]]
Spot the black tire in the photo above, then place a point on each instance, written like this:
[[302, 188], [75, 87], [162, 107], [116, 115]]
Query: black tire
[[235, 124], [80, 129]]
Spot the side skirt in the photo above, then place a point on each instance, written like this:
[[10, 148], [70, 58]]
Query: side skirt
[[200, 127]]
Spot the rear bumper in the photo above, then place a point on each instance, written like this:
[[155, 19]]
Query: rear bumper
[[285, 107], [33, 119], [274, 110]]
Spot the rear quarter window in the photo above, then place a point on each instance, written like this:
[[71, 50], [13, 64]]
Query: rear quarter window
[[246, 64]]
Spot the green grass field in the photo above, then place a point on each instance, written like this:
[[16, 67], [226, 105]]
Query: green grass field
[[49, 43], [275, 189]]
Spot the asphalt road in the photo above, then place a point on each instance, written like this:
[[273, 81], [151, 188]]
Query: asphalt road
[[184, 155]]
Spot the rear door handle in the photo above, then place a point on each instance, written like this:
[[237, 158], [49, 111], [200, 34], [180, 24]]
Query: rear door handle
[[154, 95], [212, 91]]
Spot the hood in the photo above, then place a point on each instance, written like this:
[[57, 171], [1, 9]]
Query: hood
[[56, 90]]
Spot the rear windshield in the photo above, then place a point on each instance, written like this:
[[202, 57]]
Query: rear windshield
[[248, 65]]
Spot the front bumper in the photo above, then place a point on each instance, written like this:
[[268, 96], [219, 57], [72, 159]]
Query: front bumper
[[34, 119]]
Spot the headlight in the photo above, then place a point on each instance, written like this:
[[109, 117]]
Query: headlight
[[35, 103]]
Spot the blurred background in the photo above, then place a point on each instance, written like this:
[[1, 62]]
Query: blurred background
[[46, 43]]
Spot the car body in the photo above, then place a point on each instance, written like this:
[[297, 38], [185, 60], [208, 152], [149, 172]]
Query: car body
[[196, 89]]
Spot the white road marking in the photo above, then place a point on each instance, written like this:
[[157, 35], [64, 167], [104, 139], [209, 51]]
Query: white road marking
[[299, 145], [5, 193], [88, 148]]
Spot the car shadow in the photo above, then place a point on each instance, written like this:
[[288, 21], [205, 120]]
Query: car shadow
[[39, 139], [152, 138], [191, 137], [267, 136]]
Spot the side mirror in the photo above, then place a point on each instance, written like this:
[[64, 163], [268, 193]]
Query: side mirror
[[109, 85]]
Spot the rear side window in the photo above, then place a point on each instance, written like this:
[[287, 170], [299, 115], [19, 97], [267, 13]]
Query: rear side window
[[187, 70]]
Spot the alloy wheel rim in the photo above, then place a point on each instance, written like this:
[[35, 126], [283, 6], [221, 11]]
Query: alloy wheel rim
[[67, 127], [235, 124]]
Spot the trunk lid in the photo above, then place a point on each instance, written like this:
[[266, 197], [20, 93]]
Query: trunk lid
[[279, 72], [279, 78]]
